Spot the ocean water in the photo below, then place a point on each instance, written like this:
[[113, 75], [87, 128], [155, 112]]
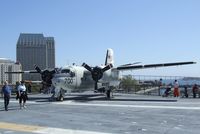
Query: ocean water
[[182, 82]]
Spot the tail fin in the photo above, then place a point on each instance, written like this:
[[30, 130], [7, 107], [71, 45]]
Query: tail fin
[[109, 57]]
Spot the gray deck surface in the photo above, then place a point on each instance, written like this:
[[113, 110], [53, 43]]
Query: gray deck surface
[[90, 113]]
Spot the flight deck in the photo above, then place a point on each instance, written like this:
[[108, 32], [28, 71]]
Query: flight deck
[[94, 114]]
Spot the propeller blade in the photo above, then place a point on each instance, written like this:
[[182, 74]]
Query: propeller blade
[[107, 67], [53, 71], [38, 69], [87, 67]]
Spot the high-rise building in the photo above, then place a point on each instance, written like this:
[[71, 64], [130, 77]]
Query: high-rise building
[[7, 65], [35, 49]]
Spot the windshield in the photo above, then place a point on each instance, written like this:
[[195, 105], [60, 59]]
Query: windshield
[[68, 71]]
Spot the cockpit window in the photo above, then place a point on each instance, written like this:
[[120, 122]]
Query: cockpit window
[[65, 71], [68, 71]]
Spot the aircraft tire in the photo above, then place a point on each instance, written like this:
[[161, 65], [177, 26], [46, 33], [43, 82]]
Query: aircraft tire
[[60, 98]]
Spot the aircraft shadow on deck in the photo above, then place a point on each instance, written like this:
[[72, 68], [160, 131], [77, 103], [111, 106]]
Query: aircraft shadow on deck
[[97, 97]]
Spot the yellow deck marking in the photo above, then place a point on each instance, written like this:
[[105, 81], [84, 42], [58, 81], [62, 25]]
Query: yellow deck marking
[[19, 127], [42, 130]]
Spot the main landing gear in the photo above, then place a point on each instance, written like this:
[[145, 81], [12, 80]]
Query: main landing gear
[[108, 92]]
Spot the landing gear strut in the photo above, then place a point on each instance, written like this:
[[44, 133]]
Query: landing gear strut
[[60, 98], [108, 94], [61, 95]]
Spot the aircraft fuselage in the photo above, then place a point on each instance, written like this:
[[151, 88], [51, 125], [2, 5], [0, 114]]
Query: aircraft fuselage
[[77, 78]]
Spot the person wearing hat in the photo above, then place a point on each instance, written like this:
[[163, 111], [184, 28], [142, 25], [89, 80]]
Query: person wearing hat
[[6, 90], [22, 94]]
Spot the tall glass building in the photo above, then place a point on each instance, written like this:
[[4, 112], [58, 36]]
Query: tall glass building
[[35, 49]]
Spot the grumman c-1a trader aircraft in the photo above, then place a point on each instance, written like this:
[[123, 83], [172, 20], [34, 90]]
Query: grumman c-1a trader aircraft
[[101, 78]]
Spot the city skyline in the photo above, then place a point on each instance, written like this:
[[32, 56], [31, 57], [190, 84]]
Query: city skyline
[[137, 31]]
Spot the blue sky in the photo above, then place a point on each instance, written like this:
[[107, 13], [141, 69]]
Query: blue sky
[[148, 31]]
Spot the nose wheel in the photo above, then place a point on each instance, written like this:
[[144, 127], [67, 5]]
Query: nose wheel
[[61, 95], [60, 98]]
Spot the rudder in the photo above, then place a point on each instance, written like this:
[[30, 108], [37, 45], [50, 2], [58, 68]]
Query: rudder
[[109, 57]]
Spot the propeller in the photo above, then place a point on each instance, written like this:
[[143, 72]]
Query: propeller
[[97, 72], [46, 75]]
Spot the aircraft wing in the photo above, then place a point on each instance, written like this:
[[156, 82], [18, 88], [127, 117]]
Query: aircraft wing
[[134, 67], [22, 72]]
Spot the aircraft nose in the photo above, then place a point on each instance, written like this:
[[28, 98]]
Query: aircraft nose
[[55, 81], [58, 82]]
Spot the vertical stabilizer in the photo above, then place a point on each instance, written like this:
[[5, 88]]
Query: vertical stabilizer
[[109, 57]]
